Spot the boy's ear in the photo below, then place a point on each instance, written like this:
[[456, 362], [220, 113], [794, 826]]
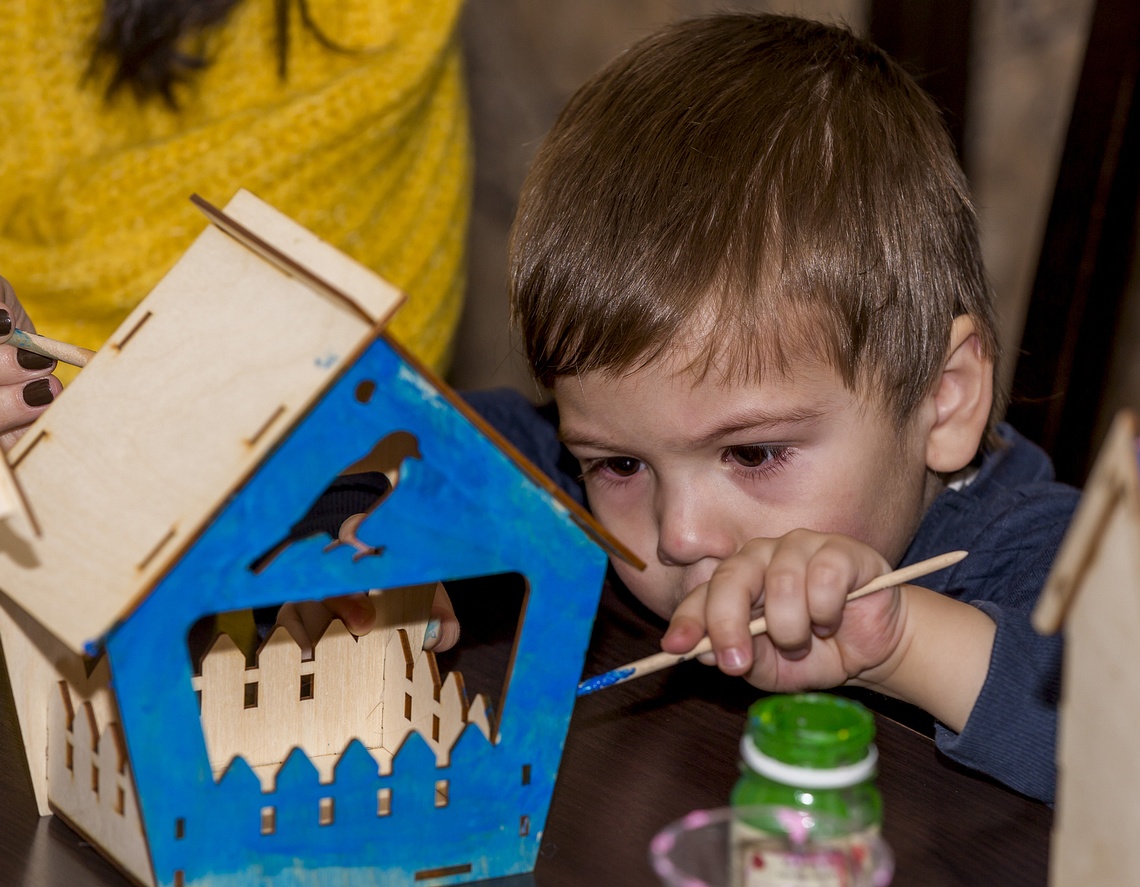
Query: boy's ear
[[960, 400]]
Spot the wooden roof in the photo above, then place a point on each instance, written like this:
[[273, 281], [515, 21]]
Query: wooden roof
[[230, 348]]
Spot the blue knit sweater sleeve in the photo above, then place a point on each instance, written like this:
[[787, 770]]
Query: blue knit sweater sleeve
[[1011, 519]]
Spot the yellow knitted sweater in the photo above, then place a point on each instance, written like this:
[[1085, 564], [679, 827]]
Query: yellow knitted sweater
[[367, 149]]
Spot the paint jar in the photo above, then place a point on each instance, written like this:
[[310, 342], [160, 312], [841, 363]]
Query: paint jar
[[814, 753]]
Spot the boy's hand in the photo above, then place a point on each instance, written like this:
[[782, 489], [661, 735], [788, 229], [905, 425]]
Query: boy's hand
[[308, 620], [800, 583]]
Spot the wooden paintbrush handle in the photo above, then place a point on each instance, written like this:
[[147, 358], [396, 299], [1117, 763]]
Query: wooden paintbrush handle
[[46, 347]]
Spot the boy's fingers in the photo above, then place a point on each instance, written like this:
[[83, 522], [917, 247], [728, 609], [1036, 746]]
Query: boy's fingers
[[734, 586], [290, 617], [832, 573], [806, 587], [828, 582], [442, 632], [443, 628], [785, 603], [307, 621], [806, 584], [356, 611], [687, 625]]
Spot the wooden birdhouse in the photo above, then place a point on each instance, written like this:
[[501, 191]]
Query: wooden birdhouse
[[160, 490], [1093, 593]]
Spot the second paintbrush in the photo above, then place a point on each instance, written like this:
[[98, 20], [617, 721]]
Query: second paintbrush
[[46, 347], [659, 661]]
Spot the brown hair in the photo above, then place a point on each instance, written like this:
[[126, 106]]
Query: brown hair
[[779, 183]]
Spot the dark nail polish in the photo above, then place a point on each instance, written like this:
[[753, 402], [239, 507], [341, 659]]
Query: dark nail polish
[[38, 393], [29, 360], [5, 322]]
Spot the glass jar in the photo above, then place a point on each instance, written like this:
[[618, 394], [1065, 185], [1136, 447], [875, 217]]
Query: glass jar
[[808, 767]]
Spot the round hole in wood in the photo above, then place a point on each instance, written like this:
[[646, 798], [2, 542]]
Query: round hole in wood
[[365, 390]]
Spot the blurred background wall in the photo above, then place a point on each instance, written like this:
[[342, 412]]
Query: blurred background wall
[[1005, 72]]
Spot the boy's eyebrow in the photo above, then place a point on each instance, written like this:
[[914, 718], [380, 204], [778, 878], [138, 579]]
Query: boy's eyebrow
[[748, 420], [757, 420], [580, 440]]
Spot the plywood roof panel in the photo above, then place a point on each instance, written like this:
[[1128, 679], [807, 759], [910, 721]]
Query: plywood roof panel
[[175, 411]]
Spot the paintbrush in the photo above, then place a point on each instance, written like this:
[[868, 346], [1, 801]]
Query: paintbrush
[[46, 347], [659, 661]]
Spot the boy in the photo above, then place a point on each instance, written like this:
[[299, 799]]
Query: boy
[[746, 262]]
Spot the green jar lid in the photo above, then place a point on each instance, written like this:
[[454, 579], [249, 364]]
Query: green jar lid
[[811, 729]]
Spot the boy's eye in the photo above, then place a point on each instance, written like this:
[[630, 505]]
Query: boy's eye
[[613, 467], [755, 455], [622, 466]]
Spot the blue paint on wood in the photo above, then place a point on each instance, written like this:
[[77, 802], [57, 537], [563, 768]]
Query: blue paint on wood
[[497, 521]]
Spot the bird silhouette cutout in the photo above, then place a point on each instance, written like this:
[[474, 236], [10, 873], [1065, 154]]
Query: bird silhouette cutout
[[359, 490]]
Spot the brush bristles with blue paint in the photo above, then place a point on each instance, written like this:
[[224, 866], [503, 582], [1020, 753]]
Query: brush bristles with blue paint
[[659, 661]]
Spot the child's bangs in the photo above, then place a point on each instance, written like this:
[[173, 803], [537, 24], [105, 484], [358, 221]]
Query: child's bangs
[[746, 341]]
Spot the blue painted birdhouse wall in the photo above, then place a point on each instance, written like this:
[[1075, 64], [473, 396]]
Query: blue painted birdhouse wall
[[464, 509]]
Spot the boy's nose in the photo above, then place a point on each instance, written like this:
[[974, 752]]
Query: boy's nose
[[690, 528]]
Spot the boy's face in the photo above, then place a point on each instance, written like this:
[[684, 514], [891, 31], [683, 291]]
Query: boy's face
[[685, 472]]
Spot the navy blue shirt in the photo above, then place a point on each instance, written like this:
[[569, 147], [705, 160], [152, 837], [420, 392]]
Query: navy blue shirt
[[1011, 518]]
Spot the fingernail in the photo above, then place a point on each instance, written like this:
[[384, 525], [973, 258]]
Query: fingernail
[[431, 634], [733, 657], [38, 393], [5, 322], [29, 360]]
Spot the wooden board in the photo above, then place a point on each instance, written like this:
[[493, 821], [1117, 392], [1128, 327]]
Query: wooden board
[[1114, 475], [1097, 819], [190, 393], [89, 780], [376, 688], [37, 661], [1093, 594]]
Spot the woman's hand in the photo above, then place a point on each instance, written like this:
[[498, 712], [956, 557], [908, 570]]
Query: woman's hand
[[27, 386]]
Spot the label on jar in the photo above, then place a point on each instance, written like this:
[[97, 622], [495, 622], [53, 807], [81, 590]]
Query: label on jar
[[773, 859]]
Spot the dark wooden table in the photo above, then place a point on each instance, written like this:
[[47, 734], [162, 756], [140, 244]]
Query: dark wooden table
[[637, 757]]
